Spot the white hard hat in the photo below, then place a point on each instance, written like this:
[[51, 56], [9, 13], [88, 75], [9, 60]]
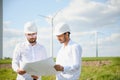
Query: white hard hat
[[30, 27], [61, 28]]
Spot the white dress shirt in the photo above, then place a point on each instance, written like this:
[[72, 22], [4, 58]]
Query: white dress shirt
[[70, 58], [25, 52]]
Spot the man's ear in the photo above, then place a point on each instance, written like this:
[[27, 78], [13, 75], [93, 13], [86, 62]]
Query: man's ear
[[26, 34]]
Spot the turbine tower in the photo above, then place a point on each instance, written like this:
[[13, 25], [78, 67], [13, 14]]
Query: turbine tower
[[1, 30], [96, 42]]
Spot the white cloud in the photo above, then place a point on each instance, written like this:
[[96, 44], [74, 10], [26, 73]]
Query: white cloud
[[113, 38], [87, 14], [9, 31], [6, 24]]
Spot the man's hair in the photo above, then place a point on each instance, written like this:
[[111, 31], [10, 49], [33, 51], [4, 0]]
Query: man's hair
[[68, 33]]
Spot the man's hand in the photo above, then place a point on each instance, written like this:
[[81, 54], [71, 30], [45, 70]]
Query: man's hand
[[34, 77], [59, 67], [21, 71]]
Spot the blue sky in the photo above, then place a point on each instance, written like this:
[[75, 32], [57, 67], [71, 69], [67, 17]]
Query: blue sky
[[20, 11], [86, 17]]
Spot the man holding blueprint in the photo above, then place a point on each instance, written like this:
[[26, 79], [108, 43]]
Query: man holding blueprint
[[68, 59], [28, 52]]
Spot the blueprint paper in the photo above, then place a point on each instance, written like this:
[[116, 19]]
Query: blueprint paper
[[43, 67]]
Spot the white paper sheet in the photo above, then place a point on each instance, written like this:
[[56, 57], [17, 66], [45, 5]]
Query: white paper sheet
[[43, 67]]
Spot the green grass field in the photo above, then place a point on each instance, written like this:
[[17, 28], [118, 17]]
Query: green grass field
[[101, 68]]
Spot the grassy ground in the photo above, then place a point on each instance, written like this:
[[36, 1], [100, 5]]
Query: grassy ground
[[7, 74], [5, 61], [97, 71], [110, 71]]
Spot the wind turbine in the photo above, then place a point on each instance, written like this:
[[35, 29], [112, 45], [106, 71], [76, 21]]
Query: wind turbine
[[52, 25]]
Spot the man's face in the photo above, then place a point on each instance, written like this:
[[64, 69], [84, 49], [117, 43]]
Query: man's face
[[61, 38], [31, 37]]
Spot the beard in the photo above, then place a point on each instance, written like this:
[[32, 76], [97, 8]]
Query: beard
[[32, 40]]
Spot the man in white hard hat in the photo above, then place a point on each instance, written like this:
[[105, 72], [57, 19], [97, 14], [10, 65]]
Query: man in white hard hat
[[28, 51], [68, 59]]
